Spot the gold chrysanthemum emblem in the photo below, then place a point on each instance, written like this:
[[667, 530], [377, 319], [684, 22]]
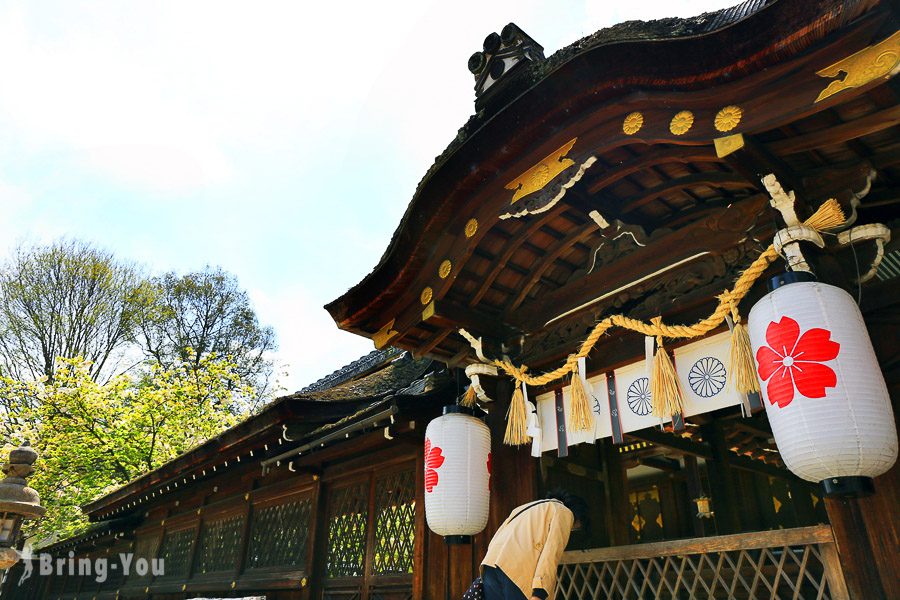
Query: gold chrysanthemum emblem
[[633, 123], [471, 227], [444, 269], [427, 295], [728, 118], [540, 176], [682, 122]]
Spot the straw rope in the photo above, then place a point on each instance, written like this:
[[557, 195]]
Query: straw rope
[[827, 216]]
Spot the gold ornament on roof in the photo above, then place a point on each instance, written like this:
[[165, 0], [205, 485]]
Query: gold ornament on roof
[[869, 64], [728, 144], [728, 118], [538, 176], [381, 338], [633, 123], [471, 227], [426, 296], [444, 269], [682, 122]]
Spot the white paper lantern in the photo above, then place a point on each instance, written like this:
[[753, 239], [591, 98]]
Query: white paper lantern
[[457, 474], [824, 392]]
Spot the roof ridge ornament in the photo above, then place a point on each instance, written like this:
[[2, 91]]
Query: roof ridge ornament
[[501, 54]]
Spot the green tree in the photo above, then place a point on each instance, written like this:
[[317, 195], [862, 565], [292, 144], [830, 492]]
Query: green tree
[[205, 313], [95, 437], [67, 299]]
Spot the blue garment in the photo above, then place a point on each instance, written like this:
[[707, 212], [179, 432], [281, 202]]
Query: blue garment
[[497, 586]]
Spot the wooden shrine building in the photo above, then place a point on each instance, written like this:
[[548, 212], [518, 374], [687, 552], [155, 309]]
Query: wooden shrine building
[[623, 175], [620, 175], [315, 495]]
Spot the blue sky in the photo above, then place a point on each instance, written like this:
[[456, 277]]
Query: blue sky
[[279, 140]]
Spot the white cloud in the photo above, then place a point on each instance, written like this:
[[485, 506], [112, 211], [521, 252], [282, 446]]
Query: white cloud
[[309, 344]]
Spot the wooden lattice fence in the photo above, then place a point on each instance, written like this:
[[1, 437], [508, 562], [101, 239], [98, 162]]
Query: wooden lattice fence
[[785, 564]]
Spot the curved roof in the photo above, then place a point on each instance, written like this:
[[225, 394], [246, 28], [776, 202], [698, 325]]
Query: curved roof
[[762, 58]]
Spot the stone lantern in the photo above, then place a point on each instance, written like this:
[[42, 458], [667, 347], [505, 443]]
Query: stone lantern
[[17, 502]]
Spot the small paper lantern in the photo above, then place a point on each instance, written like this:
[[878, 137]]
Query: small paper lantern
[[824, 392], [457, 474]]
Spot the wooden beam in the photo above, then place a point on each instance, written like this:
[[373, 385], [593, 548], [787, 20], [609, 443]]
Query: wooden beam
[[553, 253], [754, 160], [653, 158], [524, 232], [661, 463], [817, 534], [716, 233], [831, 136], [708, 179], [746, 463], [671, 441], [443, 313]]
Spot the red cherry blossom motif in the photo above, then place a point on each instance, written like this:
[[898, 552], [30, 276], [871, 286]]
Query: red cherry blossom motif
[[490, 478], [433, 461], [792, 360]]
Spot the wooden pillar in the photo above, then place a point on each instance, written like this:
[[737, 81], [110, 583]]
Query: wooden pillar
[[883, 526], [852, 538], [722, 488], [618, 510], [514, 469], [319, 557]]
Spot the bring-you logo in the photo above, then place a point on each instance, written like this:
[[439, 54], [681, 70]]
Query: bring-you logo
[[98, 568]]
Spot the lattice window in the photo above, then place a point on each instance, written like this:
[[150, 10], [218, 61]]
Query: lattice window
[[219, 546], [347, 529], [146, 547], [767, 573], [279, 535], [73, 580], [57, 582], [175, 551], [114, 577], [395, 523]]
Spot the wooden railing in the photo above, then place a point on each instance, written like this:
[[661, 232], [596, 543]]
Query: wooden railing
[[784, 564]]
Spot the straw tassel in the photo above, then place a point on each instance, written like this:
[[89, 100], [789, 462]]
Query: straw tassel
[[469, 398], [582, 417], [665, 389], [827, 216], [517, 419], [742, 369]]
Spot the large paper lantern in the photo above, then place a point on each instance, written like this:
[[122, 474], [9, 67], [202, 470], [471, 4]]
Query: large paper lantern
[[457, 474], [825, 395]]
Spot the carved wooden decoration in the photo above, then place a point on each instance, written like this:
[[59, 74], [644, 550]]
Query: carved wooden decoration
[[471, 227], [728, 118], [545, 184], [879, 60], [385, 334], [538, 176], [633, 123], [682, 122]]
